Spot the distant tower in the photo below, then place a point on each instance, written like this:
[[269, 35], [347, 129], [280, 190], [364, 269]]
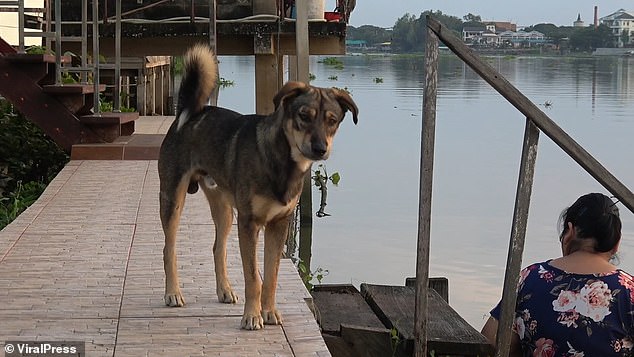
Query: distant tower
[[579, 22], [596, 17]]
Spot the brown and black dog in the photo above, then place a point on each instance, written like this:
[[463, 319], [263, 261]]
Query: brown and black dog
[[253, 163]]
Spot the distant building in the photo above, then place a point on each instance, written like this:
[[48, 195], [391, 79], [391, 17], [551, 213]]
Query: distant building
[[579, 22], [621, 23], [523, 38], [501, 26], [356, 44]]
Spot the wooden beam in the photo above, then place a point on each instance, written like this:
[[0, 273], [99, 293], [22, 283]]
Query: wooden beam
[[518, 235], [268, 79], [530, 110], [425, 192]]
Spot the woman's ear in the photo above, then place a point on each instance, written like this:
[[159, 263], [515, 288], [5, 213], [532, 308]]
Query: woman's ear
[[567, 237]]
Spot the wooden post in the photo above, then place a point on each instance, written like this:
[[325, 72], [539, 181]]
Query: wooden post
[[213, 43], [302, 75], [518, 235], [425, 191]]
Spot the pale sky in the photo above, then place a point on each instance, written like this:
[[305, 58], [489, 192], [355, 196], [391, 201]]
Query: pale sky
[[523, 13]]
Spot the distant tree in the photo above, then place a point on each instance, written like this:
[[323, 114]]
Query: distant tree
[[409, 32], [625, 37], [552, 32], [370, 34], [472, 18], [404, 37], [589, 38]]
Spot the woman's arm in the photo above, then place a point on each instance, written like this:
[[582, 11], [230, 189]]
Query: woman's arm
[[490, 331]]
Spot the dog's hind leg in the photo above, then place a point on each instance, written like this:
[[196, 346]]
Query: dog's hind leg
[[274, 237], [222, 215], [248, 236], [172, 199]]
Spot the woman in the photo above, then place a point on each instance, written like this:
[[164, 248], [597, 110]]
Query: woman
[[578, 305]]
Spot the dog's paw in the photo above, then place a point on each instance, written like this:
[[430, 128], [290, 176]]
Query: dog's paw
[[174, 300], [272, 317], [227, 296], [252, 322]]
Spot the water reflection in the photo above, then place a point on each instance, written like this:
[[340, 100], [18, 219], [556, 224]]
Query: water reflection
[[371, 236]]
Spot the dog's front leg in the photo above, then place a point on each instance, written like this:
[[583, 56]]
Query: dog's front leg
[[248, 237], [274, 238]]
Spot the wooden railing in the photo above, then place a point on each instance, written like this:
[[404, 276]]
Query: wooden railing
[[536, 121]]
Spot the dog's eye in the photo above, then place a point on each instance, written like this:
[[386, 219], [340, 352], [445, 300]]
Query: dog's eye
[[304, 116], [332, 121]]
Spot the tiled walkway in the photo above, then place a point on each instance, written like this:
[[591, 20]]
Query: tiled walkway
[[85, 263]]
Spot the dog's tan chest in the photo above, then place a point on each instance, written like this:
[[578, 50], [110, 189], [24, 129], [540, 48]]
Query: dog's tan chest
[[267, 209]]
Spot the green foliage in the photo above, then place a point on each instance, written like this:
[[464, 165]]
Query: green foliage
[[308, 277], [178, 64], [108, 106], [332, 62], [395, 340], [311, 77], [29, 159], [378, 80], [224, 83], [344, 89], [36, 50], [17, 201], [333, 78]]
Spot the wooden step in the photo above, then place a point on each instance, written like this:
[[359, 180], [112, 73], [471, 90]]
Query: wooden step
[[448, 332], [78, 98], [342, 303], [110, 125], [40, 67], [133, 147], [72, 88], [34, 58]]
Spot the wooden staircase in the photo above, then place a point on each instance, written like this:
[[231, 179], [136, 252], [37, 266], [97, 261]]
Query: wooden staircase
[[63, 111]]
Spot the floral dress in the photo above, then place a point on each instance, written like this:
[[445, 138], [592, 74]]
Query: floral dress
[[560, 314]]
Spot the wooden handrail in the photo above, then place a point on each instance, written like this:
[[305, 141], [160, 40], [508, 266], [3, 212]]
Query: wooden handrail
[[530, 110]]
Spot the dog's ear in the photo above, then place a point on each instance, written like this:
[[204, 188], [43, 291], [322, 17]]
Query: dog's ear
[[346, 103], [290, 90]]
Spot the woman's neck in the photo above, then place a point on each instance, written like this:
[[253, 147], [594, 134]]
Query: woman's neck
[[585, 262]]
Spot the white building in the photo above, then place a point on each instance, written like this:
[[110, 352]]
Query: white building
[[621, 23]]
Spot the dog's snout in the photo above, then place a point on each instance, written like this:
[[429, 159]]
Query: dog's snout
[[319, 148]]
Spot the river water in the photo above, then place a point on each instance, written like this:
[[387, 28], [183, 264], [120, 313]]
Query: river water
[[371, 235]]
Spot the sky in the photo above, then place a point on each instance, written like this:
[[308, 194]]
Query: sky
[[522, 13]]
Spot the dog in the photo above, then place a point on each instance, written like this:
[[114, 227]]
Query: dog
[[255, 164]]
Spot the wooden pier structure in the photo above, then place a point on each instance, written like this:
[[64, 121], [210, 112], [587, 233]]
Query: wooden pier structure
[[84, 263]]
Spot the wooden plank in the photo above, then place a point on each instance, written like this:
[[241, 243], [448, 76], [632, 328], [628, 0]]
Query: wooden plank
[[109, 118], [342, 304], [448, 332], [440, 284], [530, 110], [425, 192], [74, 88], [369, 342], [518, 235]]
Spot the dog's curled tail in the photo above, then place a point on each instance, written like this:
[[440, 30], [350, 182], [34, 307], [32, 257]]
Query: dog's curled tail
[[200, 79]]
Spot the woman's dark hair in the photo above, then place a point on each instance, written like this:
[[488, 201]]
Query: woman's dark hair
[[594, 216]]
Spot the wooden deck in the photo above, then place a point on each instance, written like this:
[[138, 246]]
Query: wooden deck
[[85, 263]]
